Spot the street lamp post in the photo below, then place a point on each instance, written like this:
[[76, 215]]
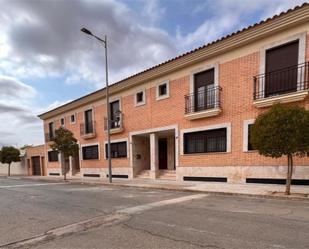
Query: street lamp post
[[104, 41]]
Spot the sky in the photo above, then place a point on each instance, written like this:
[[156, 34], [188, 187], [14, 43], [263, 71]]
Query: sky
[[45, 61]]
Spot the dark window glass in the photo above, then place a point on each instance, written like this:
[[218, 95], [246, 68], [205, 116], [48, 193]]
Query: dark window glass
[[90, 152], [162, 89], [88, 122], [72, 118], [204, 91], [250, 147], [53, 156], [205, 141], [118, 150], [140, 97], [281, 69], [51, 130], [115, 114]]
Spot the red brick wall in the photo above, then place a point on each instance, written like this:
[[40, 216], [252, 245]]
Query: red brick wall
[[236, 80]]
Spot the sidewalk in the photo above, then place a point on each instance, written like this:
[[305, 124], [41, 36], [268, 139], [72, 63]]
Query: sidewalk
[[253, 190]]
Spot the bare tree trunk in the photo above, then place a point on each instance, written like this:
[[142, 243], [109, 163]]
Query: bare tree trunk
[[289, 175], [9, 169]]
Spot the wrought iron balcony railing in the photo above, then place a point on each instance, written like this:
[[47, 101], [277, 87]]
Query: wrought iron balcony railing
[[87, 129], [283, 81], [115, 123], [203, 100], [49, 137]]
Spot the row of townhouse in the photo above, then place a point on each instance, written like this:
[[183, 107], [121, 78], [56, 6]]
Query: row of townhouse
[[189, 118]]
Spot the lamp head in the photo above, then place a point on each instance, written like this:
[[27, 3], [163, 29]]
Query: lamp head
[[86, 31]]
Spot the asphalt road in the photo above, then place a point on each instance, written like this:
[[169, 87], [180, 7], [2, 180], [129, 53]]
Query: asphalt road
[[39, 214]]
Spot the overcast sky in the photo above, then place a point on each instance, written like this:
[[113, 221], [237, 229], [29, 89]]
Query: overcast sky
[[46, 61]]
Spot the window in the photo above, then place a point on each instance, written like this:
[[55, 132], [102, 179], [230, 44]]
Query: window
[[62, 122], [140, 98], [281, 69], [90, 152], [115, 114], [88, 122], [51, 130], [162, 90], [206, 141], [72, 118], [53, 156], [204, 91], [118, 150], [250, 147]]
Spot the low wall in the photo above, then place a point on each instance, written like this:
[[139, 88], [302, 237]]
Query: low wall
[[18, 168]]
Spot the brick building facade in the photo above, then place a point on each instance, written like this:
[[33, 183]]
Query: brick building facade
[[189, 117]]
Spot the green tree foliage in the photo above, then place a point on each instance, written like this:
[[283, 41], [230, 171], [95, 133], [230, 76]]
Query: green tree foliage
[[65, 143], [282, 131], [9, 154]]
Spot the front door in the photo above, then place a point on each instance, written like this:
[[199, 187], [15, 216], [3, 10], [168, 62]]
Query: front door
[[163, 153], [36, 167]]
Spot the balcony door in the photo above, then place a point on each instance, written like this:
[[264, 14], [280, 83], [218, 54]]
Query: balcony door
[[204, 94], [88, 122], [115, 118], [281, 69]]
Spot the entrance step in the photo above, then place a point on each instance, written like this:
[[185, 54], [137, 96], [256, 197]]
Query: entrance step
[[167, 174], [77, 174], [144, 174]]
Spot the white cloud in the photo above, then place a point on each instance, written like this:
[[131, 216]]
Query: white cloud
[[12, 88]]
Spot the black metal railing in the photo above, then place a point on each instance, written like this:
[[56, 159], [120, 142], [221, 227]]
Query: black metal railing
[[49, 137], [87, 128], [116, 122], [203, 100], [286, 80]]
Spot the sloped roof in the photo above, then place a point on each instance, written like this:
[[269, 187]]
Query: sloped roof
[[183, 55]]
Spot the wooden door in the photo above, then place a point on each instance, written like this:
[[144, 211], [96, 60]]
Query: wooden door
[[36, 166]]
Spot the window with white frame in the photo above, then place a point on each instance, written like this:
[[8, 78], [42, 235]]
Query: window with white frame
[[90, 152], [214, 140], [62, 122], [118, 149], [140, 98], [72, 118], [247, 146], [162, 90]]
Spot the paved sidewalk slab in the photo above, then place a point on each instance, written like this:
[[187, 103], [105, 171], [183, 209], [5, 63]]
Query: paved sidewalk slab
[[258, 190]]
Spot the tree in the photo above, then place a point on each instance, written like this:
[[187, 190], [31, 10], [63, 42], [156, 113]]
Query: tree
[[65, 143], [282, 131], [9, 154]]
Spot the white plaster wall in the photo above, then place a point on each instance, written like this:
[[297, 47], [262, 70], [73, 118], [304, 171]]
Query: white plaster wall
[[17, 168], [140, 147], [238, 174], [170, 153]]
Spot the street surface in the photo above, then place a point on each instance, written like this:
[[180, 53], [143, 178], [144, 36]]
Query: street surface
[[40, 214]]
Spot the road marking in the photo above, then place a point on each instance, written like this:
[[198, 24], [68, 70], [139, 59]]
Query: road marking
[[141, 208], [103, 220], [31, 185]]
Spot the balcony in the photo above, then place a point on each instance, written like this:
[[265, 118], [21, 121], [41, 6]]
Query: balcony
[[49, 137], [282, 86], [87, 130], [116, 124], [203, 104]]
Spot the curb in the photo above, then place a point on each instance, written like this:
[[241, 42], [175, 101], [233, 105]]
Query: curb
[[170, 188]]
